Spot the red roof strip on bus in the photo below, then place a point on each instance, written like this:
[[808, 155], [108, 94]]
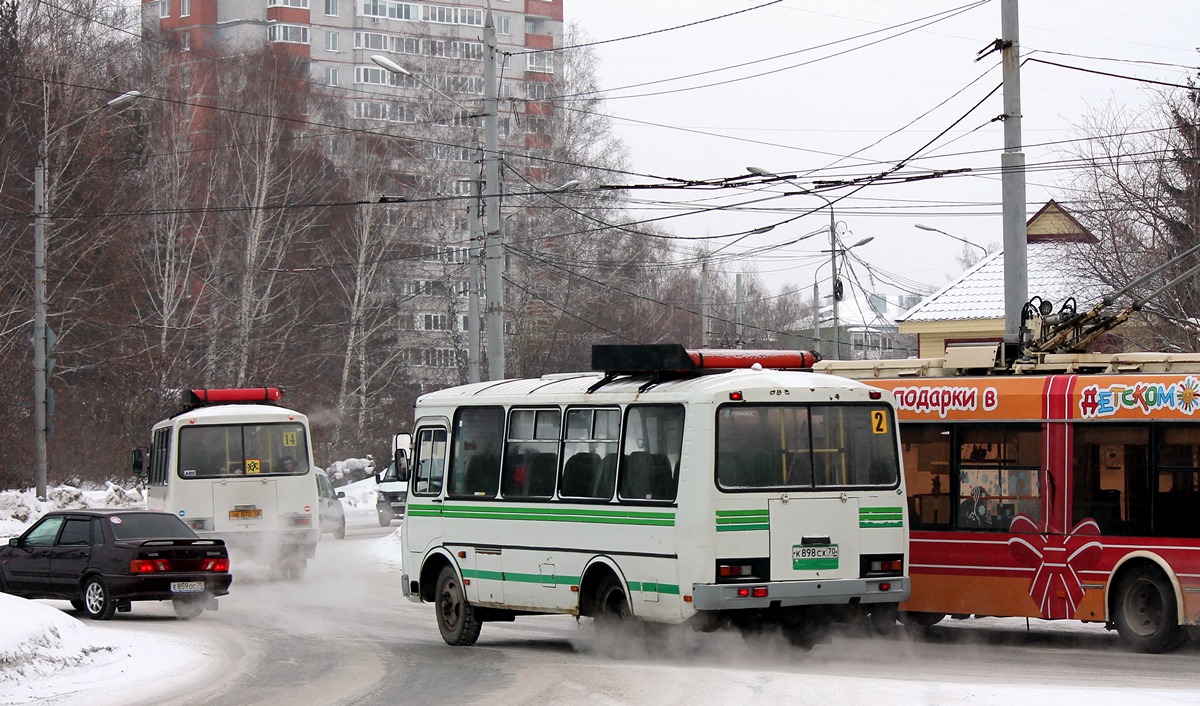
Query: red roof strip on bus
[[238, 394], [713, 359]]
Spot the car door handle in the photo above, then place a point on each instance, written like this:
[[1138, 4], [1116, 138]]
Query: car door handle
[[82, 554]]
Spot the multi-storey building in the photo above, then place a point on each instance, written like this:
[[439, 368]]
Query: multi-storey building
[[442, 45]]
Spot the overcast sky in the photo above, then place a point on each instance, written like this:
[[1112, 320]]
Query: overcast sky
[[819, 115]]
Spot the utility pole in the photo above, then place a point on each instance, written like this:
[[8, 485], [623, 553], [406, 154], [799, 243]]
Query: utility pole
[[493, 249], [837, 322], [737, 313], [1012, 162], [473, 253], [705, 324]]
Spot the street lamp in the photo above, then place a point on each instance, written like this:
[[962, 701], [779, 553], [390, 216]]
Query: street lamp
[[833, 249], [43, 337], [837, 325], [948, 235], [493, 249]]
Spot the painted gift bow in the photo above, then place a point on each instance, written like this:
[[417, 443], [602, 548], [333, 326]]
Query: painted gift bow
[[1056, 587]]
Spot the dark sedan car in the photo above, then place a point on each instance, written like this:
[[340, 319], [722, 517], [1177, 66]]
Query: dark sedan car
[[101, 560]]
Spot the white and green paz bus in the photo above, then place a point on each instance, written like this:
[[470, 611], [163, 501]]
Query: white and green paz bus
[[672, 486]]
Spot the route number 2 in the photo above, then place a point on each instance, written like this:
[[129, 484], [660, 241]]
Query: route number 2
[[879, 424]]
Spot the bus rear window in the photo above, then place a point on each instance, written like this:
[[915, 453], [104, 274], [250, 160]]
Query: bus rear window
[[805, 447], [233, 450]]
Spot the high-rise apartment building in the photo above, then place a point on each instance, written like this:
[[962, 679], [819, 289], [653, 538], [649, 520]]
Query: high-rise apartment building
[[441, 46]]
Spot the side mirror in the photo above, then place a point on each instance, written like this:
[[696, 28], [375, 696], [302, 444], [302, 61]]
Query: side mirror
[[341, 494], [378, 478], [400, 458], [14, 542], [139, 457]]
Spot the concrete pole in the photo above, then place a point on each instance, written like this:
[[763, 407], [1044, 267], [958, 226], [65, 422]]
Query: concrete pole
[[737, 312], [493, 248], [705, 323], [837, 322], [1016, 274], [39, 319], [473, 253]]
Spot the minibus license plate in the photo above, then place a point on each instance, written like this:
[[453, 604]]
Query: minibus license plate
[[187, 587], [814, 557], [245, 514]]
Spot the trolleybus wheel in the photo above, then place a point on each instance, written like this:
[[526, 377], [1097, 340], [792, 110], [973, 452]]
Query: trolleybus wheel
[[455, 617], [920, 620], [1144, 610]]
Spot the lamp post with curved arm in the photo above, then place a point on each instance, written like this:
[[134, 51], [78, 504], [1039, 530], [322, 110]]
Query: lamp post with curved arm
[[921, 226], [837, 325], [43, 338]]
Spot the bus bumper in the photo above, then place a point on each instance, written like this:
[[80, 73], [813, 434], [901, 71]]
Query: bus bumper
[[780, 594]]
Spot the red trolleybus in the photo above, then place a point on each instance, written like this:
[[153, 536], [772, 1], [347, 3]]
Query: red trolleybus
[[1066, 489]]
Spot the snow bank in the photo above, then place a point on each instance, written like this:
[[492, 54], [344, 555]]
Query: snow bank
[[21, 508], [38, 640]]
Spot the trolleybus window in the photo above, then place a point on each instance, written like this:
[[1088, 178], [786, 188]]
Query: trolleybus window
[[999, 468], [215, 451], [1112, 477], [780, 446], [927, 467]]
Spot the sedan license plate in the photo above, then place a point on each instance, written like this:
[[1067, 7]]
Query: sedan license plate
[[187, 587], [814, 557], [245, 514]]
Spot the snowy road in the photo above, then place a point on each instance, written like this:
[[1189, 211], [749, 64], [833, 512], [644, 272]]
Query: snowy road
[[346, 635]]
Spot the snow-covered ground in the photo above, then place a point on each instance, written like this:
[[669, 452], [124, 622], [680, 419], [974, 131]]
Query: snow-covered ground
[[49, 657]]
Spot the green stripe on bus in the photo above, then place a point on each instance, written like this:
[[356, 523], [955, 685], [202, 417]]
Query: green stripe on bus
[[743, 520], [510, 577], [547, 514], [743, 527], [875, 517]]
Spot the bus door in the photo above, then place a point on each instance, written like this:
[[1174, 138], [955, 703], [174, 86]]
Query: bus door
[[423, 520]]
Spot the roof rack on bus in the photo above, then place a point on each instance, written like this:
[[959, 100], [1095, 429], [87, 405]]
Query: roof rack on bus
[[671, 361], [229, 395]]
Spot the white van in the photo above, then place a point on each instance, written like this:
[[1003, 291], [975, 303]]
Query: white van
[[392, 493]]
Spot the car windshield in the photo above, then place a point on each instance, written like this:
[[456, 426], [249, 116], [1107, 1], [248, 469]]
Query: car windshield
[[149, 526]]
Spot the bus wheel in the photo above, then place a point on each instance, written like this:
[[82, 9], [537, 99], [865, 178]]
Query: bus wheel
[[385, 518], [455, 617], [883, 618], [611, 617], [1144, 610]]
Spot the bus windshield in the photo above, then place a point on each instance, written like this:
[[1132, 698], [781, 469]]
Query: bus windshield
[[235, 450], [805, 447]]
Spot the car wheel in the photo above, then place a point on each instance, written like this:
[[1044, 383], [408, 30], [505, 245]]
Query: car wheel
[[188, 607], [455, 617], [78, 605], [385, 518], [98, 604], [340, 532]]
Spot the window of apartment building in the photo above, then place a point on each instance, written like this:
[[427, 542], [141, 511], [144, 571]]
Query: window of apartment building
[[303, 4], [462, 187], [443, 14], [437, 322], [435, 47], [536, 90], [331, 8], [332, 41], [440, 358], [503, 24], [294, 34], [541, 62], [405, 45], [164, 8], [371, 74], [332, 76], [185, 8], [185, 41], [370, 40], [471, 51], [404, 11], [372, 110], [185, 79], [374, 8]]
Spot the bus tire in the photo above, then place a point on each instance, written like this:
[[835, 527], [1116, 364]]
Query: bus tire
[[455, 616], [1144, 610], [98, 604], [385, 518], [611, 617], [883, 617]]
